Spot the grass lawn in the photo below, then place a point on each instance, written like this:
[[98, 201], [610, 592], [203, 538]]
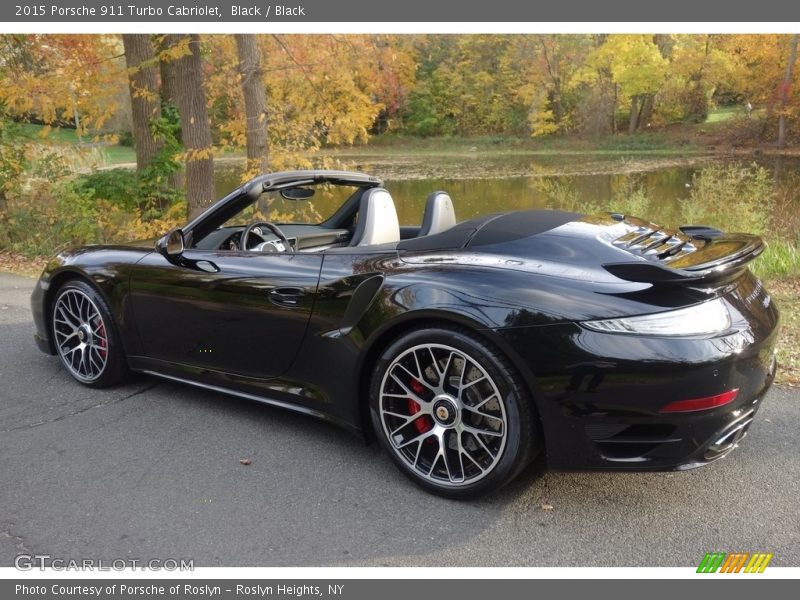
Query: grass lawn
[[117, 155], [787, 294], [56, 135], [112, 154], [724, 113]]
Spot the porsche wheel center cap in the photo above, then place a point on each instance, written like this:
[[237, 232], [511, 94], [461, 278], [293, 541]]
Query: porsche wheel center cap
[[445, 411]]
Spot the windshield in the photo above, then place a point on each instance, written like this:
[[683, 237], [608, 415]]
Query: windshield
[[273, 207]]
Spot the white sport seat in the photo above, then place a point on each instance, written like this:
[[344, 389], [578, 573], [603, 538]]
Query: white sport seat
[[377, 219], [439, 214]]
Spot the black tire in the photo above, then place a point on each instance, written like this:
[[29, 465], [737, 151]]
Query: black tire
[[111, 365], [488, 471]]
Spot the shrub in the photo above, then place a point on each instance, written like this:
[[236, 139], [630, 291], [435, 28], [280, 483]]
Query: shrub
[[730, 197], [120, 187], [125, 138], [46, 217], [49, 217], [781, 259]]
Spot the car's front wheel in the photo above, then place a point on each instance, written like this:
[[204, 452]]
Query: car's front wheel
[[452, 412], [86, 337]]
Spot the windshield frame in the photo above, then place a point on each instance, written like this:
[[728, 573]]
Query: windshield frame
[[226, 208]]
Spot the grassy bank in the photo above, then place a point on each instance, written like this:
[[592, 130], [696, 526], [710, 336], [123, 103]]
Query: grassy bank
[[108, 153], [726, 131], [655, 143], [786, 293]]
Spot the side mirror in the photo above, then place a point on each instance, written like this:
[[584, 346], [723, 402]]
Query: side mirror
[[171, 245]]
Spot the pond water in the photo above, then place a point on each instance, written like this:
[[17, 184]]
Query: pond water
[[481, 184]]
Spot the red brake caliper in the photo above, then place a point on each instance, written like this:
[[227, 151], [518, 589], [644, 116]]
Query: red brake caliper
[[422, 424], [101, 333]]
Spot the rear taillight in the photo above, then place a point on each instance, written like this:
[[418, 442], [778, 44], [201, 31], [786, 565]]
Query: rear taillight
[[695, 404], [706, 318]]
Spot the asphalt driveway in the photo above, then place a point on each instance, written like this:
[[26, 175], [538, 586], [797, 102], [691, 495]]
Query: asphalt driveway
[[151, 470]]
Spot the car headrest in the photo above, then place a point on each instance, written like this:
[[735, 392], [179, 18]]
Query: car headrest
[[377, 219], [439, 214]]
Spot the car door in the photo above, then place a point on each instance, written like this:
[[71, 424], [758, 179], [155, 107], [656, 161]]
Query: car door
[[242, 313]]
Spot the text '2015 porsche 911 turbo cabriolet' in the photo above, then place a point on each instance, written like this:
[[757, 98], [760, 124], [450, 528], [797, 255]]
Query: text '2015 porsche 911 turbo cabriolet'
[[466, 348]]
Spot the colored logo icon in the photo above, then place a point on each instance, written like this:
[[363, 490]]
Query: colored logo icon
[[736, 562]]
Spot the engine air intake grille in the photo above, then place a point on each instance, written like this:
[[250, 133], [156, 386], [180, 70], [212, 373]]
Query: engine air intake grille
[[656, 244]]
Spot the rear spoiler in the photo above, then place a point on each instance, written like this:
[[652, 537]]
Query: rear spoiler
[[720, 257]]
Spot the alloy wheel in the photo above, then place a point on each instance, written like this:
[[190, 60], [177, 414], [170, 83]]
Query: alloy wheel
[[81, 336], [443, 414]]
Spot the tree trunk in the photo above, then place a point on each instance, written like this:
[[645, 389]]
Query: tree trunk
[[555, 98], [190, 98], [255, 103], [613, 123], [786, 91], [166, 67], [646, 109], [634, 120], [145, 102], [614, 110], [558, 104], [76, 118], [169, 85]]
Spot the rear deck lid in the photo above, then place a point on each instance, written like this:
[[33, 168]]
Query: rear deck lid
[[663, 254]]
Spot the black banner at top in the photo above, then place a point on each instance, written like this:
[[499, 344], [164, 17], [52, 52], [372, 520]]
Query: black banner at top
[[338, 11]]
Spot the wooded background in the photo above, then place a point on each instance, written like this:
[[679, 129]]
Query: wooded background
[[185, 98]]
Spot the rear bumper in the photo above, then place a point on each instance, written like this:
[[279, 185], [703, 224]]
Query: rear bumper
[[599, 395]]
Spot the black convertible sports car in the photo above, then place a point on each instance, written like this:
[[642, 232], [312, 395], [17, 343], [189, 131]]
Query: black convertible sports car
[[604, 341]]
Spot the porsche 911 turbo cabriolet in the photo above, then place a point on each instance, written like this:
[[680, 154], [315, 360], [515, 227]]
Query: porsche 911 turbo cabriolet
[[466, 348]]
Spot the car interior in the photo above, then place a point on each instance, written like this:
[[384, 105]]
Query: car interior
[[367, 219]]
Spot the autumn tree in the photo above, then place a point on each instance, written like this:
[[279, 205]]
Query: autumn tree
[[390, 69], [190, 98], [145, 100], [637, 66], [762, 75], [255, 103], [65, 80], [167, 92], [785, 91], [699, 66], [597, 110], [319, 90], [547, 82], [468, 85]]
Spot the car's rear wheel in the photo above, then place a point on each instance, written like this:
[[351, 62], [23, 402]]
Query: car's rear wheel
[[452, 412], [86, 337]]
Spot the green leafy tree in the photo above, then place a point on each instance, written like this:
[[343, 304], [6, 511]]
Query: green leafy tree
[[636, 65]]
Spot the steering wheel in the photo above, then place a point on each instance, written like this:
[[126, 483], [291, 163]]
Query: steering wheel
[[274, 229]]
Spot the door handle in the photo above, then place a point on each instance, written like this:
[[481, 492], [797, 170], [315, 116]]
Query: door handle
[[286, 296], [207, 266]]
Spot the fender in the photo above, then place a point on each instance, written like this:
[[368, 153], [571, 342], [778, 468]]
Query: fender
[[107, 269]]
